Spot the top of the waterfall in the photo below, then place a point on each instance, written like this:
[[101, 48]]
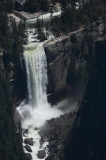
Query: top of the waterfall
[[33, 16]]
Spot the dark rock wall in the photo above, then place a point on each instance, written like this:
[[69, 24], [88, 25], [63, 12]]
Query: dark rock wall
[[63, 58], [14, 72], [1, 64], [20, 80], [58, 58], [88, 138]]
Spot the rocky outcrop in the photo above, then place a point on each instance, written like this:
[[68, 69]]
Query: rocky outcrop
[[63, 56], [28, 156], [25, 132], [29, 141], [17, 119], [88, 140], [28, 148], [56, 131], [41, 154]]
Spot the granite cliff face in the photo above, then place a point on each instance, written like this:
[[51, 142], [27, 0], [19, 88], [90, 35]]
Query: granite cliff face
[[88, 140], [64, 56]]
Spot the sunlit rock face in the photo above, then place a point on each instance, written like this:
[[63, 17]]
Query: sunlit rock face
[[63, 59]]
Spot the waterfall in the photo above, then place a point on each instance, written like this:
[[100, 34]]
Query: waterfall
[[36, 109], [36, 70]]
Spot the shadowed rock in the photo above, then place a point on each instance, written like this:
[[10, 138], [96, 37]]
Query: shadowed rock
[[28, 156], [41, 154], [29, 141], [25, 131], [28, 148]]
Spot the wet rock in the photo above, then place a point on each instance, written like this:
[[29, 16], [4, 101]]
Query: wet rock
[[41, 141], [41, 154], [25, 131], [29, 141], [28, 148], [17, 118], [35, 128], [55, 132], [28, 156]]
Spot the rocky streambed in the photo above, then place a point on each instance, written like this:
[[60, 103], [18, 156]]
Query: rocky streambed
[[56, 131]]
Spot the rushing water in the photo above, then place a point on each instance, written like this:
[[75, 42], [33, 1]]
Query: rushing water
[[36, 110], [35, 60]]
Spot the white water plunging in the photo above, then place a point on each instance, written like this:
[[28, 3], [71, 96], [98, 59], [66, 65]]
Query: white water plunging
[[35, 60], [36, 110]]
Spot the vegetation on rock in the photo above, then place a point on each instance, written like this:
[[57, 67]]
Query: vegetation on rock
[[73, 17]]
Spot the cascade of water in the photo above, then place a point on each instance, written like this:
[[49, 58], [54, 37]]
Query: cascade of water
[[37, 110], [36, 69]]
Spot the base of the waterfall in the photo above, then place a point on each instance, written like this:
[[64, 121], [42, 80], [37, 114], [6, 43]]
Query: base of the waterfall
[[34, 118]]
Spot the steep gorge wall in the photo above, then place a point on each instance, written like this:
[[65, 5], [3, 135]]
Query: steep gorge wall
[[14, 72], [88, 140], [1, 64], [63, 58]]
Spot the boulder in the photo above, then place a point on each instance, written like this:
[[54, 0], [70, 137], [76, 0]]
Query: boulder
[[29, 141], [28, 156], [28, 148], [41, 154], [25, 131]]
